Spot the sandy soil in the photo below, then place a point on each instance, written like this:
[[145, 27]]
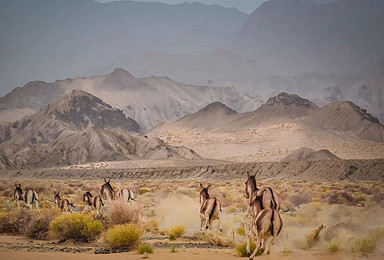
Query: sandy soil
[[186, 254], [268, 143]]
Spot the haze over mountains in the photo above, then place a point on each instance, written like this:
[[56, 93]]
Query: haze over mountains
[[56, 39], [297, 36]]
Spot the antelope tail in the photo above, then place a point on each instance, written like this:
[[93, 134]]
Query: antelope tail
[[273, 201], [213, 209], [35, 197], [272, 219]]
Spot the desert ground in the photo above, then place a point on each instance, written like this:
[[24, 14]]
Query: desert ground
[[351, 213], [272, 142]]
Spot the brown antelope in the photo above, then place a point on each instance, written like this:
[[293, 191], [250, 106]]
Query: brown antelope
[[259, 199], [266, 226], [263, 207], [96, 202], [210, 209], [62, 204], [123, 194], [29, 197]]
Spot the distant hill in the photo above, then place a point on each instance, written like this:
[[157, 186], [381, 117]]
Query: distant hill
[[307, 154], [80, 128], [341, 117], [344, 116], [148, 101], [281, 108], [210, 117], [297, 36]]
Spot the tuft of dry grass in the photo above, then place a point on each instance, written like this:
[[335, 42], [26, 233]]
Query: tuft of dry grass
[[176, 232], [121, 212]]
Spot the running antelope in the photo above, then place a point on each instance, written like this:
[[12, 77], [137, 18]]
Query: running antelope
[[210, 209], [29, 197], [265, 227], [62, 204], [123, 194], [96, 202], [259, 199]]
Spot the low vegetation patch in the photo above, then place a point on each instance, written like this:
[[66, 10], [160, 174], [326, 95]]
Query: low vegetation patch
[[76, 226], [242, 249], [333, 247], [145, 249], [176, 232], [121, 212], [365, 245], [124, 236]]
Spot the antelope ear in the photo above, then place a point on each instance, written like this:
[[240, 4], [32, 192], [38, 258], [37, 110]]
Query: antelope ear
[[248, 174], [209, 186], [201, 186], [105, 180]]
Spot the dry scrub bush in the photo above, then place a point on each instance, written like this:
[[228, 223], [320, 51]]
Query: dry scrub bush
[[176, 231], [333, 247], [77, 226], [124, 236], [151, 225], [38, 228], [300, 199], [341, 198], [365, 245], [242, 249], [15, 221], [121, 212]]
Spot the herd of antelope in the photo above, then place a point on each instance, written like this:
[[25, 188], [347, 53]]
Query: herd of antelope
[[96, 202], [262, 210]]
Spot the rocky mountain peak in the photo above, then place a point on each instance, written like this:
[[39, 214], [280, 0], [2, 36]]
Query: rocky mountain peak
[[285, 99]]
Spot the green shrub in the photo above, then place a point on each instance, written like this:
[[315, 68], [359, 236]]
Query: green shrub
[[124, 236], [77, 226], [145, 249], [176, 231], [242, 249]]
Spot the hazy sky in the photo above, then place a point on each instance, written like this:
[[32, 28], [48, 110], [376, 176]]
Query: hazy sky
[[247, 6]]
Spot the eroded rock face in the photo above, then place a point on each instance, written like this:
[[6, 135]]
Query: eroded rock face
[[77, 129]]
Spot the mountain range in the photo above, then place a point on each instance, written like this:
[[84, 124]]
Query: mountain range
[[148, 101], [338, 116], [77, 129], [282, 125]]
